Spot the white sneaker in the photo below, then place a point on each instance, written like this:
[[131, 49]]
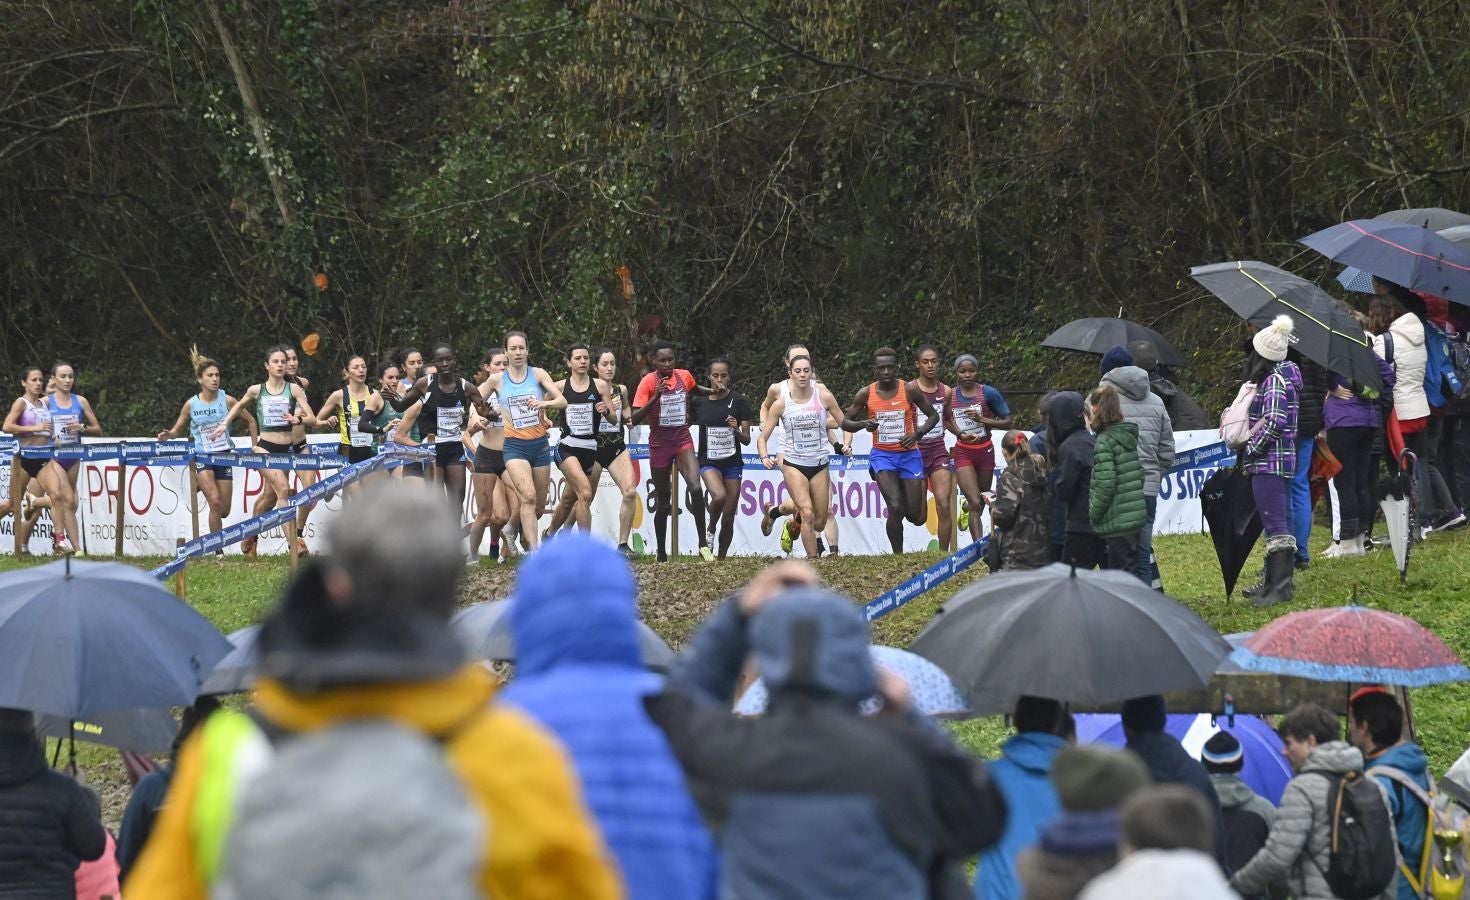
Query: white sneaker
[[1353, 547]]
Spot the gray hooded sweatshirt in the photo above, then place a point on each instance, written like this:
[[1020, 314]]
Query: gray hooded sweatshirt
[[1142, 407]]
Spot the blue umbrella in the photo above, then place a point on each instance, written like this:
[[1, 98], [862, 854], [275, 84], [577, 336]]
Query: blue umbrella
[[933, 692], [1407, 255], [1355, 279], [238, 670], [1266, 771], [78, 639]]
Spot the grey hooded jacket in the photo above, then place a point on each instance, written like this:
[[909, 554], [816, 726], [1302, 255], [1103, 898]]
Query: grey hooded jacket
[[1297, 848], [1142, 407]]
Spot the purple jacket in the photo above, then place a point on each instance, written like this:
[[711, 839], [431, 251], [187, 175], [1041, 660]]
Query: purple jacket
[[1272, 449], [1357, 412]]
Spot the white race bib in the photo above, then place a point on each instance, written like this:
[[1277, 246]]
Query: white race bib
[[522, 416], [355, 437], [579, 419], [273, 412], [891, 426], [673, 409], [451, 418], [60, 422], [221, 444], [805, 431], [719, 441]]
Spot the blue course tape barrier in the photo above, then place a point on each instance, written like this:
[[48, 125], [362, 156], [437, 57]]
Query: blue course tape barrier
[[927, 580]]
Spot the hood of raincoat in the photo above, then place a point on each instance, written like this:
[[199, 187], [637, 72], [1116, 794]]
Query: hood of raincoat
[[810, 640], [1131, 381], [575, 604]]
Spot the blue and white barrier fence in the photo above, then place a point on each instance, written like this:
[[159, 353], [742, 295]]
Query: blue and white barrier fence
[[927, 580]]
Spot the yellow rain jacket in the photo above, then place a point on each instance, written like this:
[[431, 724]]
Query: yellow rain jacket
[[542, 843]]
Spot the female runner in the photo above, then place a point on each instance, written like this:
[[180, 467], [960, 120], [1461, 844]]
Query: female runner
[[199, 416], [280, 406], [938, 467], [612, 453], [724, 427], [71, 418], [360, 406], [485, 439], [442, 415], [974, 411], [525, 390], [576, 452], [29, 420], [802, 411]]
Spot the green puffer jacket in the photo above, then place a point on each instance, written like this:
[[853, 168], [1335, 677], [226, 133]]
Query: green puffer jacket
[[1115, 500]]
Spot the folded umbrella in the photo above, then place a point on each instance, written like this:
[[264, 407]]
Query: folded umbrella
[[1325, 332], [1229, 509], [1351, 644], [1080, 637], [1095, 336], [485, 629], [78, 639], [1398, 496], [1407, 255], [933, 692], [240, 667]]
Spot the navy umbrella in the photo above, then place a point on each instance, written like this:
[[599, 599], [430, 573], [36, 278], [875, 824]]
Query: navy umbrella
[[1096, 335], [1407, 255], [238, 670], [138, 730], [78, 639], [1434, 218], [1355, 279], [485, 630]]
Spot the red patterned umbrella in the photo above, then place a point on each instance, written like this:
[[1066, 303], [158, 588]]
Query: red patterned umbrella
[[1351, 644]]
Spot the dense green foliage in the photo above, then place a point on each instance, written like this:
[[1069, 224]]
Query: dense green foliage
[[847, 173]]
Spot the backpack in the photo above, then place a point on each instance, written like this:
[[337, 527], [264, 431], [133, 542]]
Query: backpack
[[1438, 875], [1235, 421], [1362, 857], [361, 809], [1441, 383], [1459, 351]]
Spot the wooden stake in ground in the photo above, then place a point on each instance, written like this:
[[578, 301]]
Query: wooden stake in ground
[[121, 512], [180, 590], [194, 498]]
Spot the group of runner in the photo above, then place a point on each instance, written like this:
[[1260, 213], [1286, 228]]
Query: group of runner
[[490, 433]]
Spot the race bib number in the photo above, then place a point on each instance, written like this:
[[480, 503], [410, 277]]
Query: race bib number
[[673, 409], [450, 420], [806, 434], [579, 419], [221, 444], [273, 412], [60, 425], [891, 426], [357, 438], [968, 419], [522, 416], [493, 404], [719, 441]]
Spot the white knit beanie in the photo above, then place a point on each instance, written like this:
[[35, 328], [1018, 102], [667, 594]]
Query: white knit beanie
[[1271, 342]]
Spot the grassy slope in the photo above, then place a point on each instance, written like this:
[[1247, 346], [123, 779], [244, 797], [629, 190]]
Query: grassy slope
[[675, 597]]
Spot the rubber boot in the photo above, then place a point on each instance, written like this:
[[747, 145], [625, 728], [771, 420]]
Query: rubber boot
[[1280, 571]]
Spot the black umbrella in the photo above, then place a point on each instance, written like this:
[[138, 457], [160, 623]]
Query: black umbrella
[[1325, 332], [1081, 637], [138, 730], [485, 630], [238, 670], [1097, 335], [1434, 218], [1235, 523]]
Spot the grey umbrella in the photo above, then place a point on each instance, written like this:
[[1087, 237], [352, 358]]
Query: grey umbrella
[[485, 629], [1082, 637], [238, 670], [1434, 218], [1096, 335]]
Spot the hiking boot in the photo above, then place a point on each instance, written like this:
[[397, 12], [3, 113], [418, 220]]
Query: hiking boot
[[1280, 571]]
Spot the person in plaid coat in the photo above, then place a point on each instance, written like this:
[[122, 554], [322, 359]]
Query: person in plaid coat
[[1270, 455]]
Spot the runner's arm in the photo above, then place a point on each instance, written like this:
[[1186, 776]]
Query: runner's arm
[[91, 427], [224, 426], [329, 406], [404, 435], [306, 418], [856, 418], [251, 425], [179, 424], [997, 402], [554, 398], [917, 398], [768, 425], [403, 401]]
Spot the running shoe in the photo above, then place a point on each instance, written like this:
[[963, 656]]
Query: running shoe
[[639, 547], [63, 544], [709, 534], [627, 551], [964, 517], [706, 555], [26, 506], [248, 546], [766, 520], [821, 546], [787, 539], [301, 548], [472, 559]]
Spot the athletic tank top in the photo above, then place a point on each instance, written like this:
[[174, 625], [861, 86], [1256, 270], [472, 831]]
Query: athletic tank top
[[895, 418], [40, 414], [805, 428], [525, 423], [936, 398], [63, 417], [610, 429], [443, 412], [579, 420], [383, 417], [271, 409], [204, 418], [348, 433], [967, 413]]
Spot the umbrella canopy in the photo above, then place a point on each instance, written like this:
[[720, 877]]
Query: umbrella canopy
[[138, 730], [1407, 255], [1080, 637], [1235, 524], [485, 629], [1265, 770], [1097, 335], [82, 638], [1434, 218], [238, 670], [933, 692], [1398, 495], [1351, 643], [1325, 332], [1355, 279]]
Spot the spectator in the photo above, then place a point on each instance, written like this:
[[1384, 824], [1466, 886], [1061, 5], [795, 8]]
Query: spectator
[[49, 823], [1168, 832], [100, 878], [1069, 455], [1354, 431], [1247, 816], [1270, 456], [148, 795], [360, 640], [1300, 841], [580, 674], [1144, 408], [1116, 505], [1022, 506], [813, 799], [1058, 520], [1023, 774], [1081, 843], [1184, 413], [1144, 719], [1442, 419], [1376, 728], [1309, 424]]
